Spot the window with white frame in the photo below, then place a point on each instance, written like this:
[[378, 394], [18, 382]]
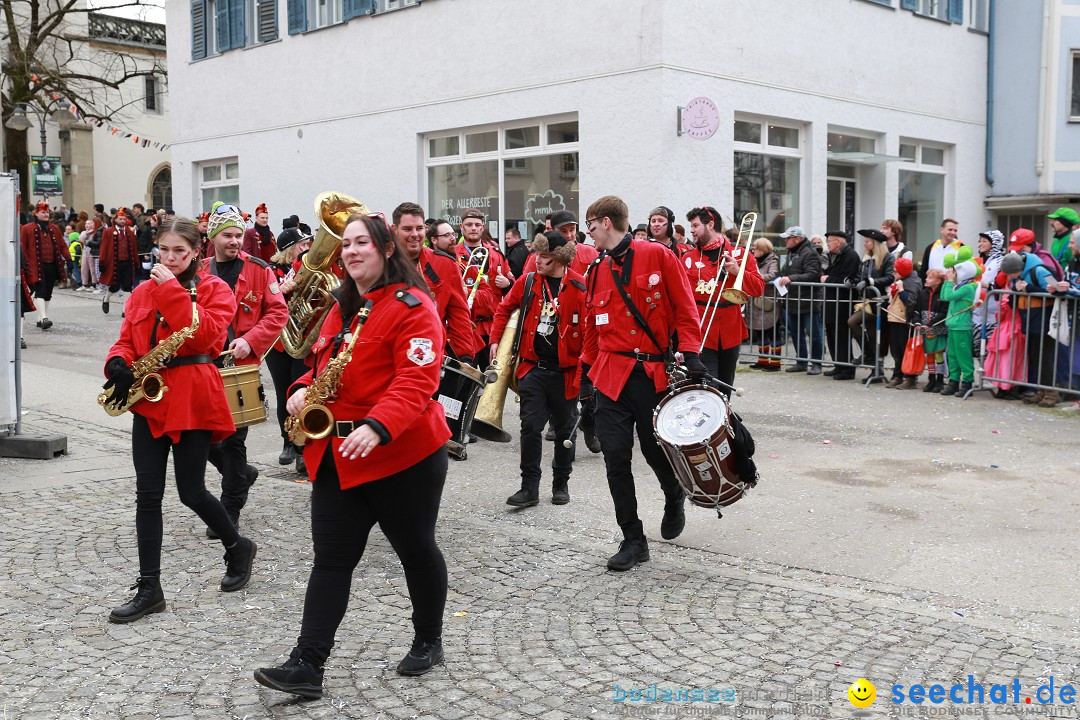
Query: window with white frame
[[388, 5], [515, 173], [152, 94], [1074, 104], [934, 8], [326, 12], [979, 12], [768, 155], [219, 180], [923, 180]]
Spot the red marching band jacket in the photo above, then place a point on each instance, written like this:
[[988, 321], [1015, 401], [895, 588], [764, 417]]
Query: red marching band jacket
[[443, 276], [253, 245], [112, 238], [196, 397], [659, 288], [728, 326], [571, 314], [261, 311], [391, 378], [583, 258], [28, 243], [488, 295]]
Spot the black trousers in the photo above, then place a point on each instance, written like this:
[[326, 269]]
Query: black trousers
[[543, 395], [616, 420], [44, 287], [121, 277], [405, 506], [230, 458], [838, 337], [150, 456], [284, 370], [721, 365]]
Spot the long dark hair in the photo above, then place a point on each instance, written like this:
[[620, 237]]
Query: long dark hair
[[189, 233], [396, 269]]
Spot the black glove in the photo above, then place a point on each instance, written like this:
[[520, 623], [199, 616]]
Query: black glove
[[467, 360], [694, 366], [861, 285], [121, 378]]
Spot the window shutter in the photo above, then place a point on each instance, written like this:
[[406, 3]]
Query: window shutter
[[236, 23], [356, 8], [198, 29], [912, 5], [266, 25], [221, 25], [956, 12], [297, 11]]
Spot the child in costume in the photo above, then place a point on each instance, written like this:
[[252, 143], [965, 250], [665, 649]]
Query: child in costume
[[961, 291], [930, 311]]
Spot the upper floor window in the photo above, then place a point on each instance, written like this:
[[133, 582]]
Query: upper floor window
[[152, 94], [263, 17], [216, 26], [979, 12], [948, 10], [1074, 105]]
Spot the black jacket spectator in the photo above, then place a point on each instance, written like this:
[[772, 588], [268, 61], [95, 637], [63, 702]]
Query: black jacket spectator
[[803, 266]]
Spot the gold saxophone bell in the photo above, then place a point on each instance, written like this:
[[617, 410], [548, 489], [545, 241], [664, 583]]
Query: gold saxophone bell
[[153, 387], [316, 422]]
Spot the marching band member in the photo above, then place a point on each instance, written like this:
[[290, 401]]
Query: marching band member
[[625, 358], [487, 278], [441, 273], [261, 313], [259, 239], [377, 365], [193, 414], [46, 256], [703, 269], [284, 368], [441, 237], [552, 304], [118, 258], [662, 230]]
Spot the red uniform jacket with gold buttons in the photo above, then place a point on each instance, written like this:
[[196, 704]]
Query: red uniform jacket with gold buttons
[[29, 241], [728, 327], [261, 311], [112, 238], [195, 399], [393, 374], [583, 258], [443, 277], [488, 295], [253, 245], [571, 325], [656, 283]]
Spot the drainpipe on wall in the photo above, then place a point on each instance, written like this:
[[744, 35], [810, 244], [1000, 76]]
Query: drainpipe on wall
[[1044, 72], [990, 97]]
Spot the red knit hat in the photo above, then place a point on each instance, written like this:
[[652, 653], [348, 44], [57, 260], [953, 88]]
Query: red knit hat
[[904, 267], [205, 217], [261, 209]]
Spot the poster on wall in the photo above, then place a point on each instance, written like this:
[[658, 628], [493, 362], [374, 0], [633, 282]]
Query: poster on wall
[[46, 174]]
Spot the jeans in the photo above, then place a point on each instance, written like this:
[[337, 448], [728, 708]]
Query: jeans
[[799, 324]]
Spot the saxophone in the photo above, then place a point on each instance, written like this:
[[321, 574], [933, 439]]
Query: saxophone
[[315, 420], [149, 385]]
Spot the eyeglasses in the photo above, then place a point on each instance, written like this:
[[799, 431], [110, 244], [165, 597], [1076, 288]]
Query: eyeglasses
[[446, 235], [222, 209], [380, 215], [589, 223]]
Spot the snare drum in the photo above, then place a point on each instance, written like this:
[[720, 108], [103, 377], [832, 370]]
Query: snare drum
[[692, 426], [244, 391], [459, 392]]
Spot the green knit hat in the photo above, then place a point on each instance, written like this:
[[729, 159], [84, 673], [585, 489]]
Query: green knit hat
[[223, 216]]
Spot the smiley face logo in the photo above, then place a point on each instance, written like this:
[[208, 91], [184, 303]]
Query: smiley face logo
[[862, 693]]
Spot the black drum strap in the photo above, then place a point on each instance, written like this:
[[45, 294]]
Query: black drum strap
[[526, 298], [664, 349]]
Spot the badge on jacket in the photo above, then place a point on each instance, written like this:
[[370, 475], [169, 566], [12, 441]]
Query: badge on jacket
[[421, 351]]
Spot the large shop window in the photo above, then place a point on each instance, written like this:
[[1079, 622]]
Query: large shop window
[[218, 180], [922, 192], [767, 161], [517, 174]]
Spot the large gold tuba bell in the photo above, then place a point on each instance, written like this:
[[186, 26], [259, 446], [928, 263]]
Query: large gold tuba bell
[[310, 300], [487, 422]]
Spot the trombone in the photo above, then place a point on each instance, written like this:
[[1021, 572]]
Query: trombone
[[478, 258], [734, 294]]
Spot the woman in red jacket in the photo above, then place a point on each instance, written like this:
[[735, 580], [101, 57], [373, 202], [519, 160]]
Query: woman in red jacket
[[187, 419], [366, 471]]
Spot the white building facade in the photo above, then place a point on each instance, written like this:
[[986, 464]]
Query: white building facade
[[833, 114]]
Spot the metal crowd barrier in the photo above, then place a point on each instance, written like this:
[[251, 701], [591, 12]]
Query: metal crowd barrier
[[826, 338], [1016, 349]]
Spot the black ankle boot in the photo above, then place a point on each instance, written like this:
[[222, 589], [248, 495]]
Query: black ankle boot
[[965, 387], [422, 658], [524, 498], [238, 561], [933, 383], [295, 675], [951, 388], [560, 494], [148, 599], [631, 552], [288, 453], [674, 520]]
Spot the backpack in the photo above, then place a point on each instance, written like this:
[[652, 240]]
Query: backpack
[[1049, 262]]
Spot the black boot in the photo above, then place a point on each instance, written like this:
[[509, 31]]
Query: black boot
[[591, 441], [560, 494], [631, 552], [422, 658], [296, 676], [933, 383], [301, 466], [148, 599], [524, 498], [288, 453], [674, 519], [238, 561], [951, 388], [965, 388]]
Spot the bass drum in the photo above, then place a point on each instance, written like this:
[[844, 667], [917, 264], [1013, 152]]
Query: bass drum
[[693, 427], [459, 392]]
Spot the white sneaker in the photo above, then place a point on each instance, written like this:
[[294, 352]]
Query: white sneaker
[[79, 289], [98, 291], [1073, 408]]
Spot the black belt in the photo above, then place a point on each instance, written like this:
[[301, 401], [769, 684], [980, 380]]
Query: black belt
[[717, 304], [642, 357], [484, 318], [344, 428], [548, 365], [189, 360]]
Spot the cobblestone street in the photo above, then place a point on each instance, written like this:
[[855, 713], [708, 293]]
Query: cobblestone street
[[893, 552]]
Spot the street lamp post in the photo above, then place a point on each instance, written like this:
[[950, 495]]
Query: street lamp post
[[19, 122]]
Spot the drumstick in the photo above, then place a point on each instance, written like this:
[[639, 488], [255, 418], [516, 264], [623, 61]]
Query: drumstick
[[568, 443]]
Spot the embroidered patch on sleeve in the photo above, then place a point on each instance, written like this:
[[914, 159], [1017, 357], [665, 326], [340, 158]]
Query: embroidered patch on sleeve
[[421, 351]]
